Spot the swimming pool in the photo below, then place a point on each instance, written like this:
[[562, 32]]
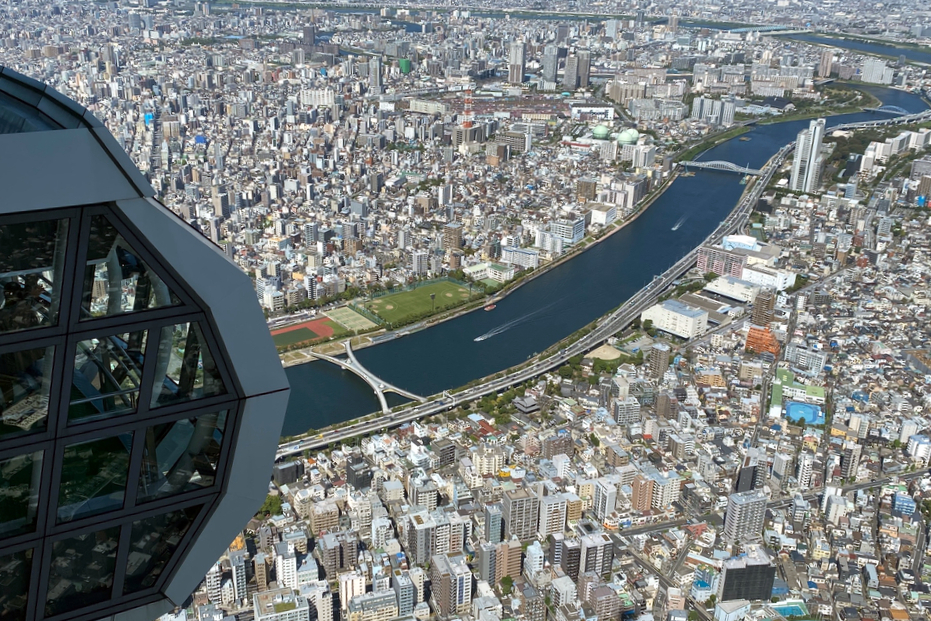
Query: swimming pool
[[791, 610], [811, 413]]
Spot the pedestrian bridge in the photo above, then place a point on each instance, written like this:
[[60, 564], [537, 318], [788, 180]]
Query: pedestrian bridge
[[723, 167], [378, 385], [887, 110]]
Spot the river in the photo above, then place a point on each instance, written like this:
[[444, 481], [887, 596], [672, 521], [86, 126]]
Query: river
[[916, 55], [558, 302]]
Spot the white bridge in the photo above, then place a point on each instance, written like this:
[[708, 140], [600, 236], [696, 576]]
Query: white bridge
[[887, 110], [723, 167], [378, 385]]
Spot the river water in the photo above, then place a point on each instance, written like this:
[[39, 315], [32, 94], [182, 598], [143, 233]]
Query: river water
[[917, 55], [558, 302]]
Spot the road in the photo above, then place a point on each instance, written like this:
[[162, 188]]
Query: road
[[607, 326]]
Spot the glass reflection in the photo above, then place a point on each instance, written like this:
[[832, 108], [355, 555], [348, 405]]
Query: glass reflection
[[20, 477], [107, 373], [186, 369], [24, 389], [15, 570], [81, 572], [116, 280], [93, 477], [154, 541], [32, 257], [181, 456]]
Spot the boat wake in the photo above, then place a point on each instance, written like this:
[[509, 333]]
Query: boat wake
[[675, 227], [510, 324]]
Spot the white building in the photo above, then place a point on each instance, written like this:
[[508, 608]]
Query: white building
[[677, 318], [808, 162], [734, 288], [281, 605], [767, 278]]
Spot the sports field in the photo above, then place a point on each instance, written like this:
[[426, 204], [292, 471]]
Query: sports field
[[350, 319], [307, 331], [416, 303]]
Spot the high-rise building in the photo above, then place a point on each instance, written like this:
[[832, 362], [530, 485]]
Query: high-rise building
[[375, 82], [658, 359], [570, 77], [521, 513], [827, 63], [494, 522], [850, 459], [451, 585], [804, 468], [552, 515], [123, 332], [763, 308], [597, 554], [585, 67], [745, 514], [452, 236], [550, 63], [748, 576], [808, 161], [605, 497], [517, 62], [641, 493]]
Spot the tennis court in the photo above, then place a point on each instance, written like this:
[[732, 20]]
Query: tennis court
[[350, 319]]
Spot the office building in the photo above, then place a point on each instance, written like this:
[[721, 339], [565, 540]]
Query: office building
[[570, 77], [808, 162], [745, 514], [749, 576], [163, 343], [375, 77], [517, 62], [550, 63], [584, 67], [373, 606]]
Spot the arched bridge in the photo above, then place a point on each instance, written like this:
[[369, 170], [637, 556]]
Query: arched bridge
[[723, 167], [378, 385], [888, 110]]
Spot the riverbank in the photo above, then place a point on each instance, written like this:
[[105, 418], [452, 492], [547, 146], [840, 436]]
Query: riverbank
[[305, 354]]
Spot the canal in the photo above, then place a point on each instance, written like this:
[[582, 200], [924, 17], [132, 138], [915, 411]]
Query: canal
[[555, 304]]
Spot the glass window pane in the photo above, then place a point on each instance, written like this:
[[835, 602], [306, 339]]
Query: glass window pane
[[181, 456], [93, 477], [19, 493], [186, 368], [107, 372], [154, 541], [116, 280], [32, 256], [81, 572], [15, 570], [24, 389]]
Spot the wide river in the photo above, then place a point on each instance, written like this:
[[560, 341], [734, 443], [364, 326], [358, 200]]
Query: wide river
[[555, 304]]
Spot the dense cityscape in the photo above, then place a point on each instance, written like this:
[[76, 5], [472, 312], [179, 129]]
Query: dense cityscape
[[744, 439]]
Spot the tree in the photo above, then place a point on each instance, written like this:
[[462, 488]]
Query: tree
[[271, 506], [507, 583], [594, 440]]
